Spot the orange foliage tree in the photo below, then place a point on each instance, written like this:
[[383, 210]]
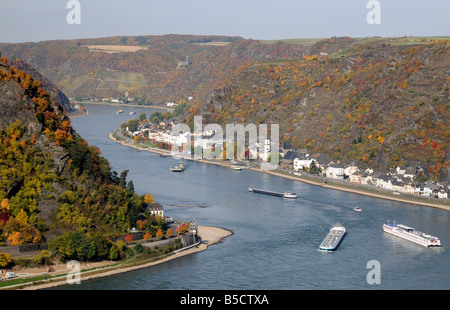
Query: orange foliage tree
[[159, 233]]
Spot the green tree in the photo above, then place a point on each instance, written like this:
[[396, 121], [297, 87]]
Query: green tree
[[313, 169], [123, 179], [101, 246], [132, 124], [71, 245], [130, 187], [43, 258], [114, 252], [142, 116]]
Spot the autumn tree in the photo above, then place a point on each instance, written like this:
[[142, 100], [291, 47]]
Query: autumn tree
[[148, 199], [159, 233], [129, 238], [5, 260], [147, 235]]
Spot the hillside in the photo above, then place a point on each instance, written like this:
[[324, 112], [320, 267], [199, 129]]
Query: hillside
[[380, 102], [148, 67], [53, 90], [375, 103], [52, 183]]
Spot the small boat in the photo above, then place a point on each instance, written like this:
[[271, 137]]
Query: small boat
[[132, 113], [289, 195], [236, 168], [119, 111], [179, 168], [357, 209]]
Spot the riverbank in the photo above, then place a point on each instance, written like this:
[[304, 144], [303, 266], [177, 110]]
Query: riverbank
[[371, 193], [78, 113], [209, 235], [364, 192], [126, 105]]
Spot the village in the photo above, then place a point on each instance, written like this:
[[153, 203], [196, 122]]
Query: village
[[401, 180]]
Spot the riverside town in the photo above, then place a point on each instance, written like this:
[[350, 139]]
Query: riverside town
[[209, 144]]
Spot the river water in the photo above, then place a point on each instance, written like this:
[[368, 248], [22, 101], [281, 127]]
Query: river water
[[275, 241]]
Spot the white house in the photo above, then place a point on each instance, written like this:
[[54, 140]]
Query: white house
[[335, 171], [427, 190], [356, 177], [322, 161], [406, 172], [156, 209], [410, 173], [400, 170], [349, 170], [384, 181], [303, 162], [265, 150], [442, 194]]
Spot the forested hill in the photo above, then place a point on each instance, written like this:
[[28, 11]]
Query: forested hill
[[380, 102], [53, 90], [157, 69], [51, 181], [377, 103]]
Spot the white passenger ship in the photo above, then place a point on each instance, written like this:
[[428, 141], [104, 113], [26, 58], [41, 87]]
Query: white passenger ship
[[411, 234]]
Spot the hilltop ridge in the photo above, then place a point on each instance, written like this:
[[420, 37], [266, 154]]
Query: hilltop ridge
[[382, 102]]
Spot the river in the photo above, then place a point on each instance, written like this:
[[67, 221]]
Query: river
[[275, 241]]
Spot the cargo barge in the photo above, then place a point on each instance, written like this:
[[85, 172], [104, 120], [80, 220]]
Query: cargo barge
[[271, 193], [334, 237]]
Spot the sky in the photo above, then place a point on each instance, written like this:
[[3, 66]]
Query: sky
[[39, 20]]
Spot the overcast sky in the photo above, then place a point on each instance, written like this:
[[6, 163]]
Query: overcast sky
[[38, 20]]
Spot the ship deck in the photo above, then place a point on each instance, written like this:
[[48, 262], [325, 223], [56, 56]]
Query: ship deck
[[333, 239]]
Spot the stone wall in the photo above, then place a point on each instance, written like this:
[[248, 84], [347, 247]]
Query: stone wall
[[22, 250]]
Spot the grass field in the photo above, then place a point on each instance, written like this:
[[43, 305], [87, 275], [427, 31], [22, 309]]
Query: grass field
[[114, 48], [392, 40], [213, 43], [122, 81]]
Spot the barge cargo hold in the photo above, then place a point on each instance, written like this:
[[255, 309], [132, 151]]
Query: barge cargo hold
[[334, 237], [270, 193]]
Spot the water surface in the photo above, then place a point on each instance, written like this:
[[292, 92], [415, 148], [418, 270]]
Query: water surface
[[275, 241]]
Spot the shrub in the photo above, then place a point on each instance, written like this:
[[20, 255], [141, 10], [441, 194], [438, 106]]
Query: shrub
[[43, 258], [129, 238]]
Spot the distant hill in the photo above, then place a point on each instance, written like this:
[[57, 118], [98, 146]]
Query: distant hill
[[380, 103], [150, 66]]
